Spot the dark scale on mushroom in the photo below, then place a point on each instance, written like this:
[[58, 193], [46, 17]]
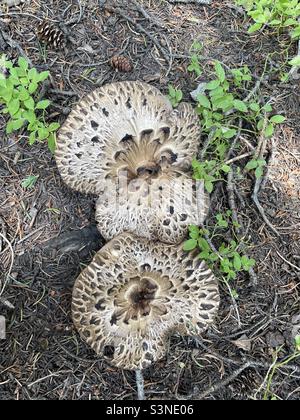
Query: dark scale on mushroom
[[127, 138], [128, 103], [105, 112], [95, 139], [94, 125]]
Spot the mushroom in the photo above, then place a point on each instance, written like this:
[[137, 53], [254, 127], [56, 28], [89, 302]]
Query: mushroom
[[136, 293], [124, 123], [124, 143], [161, 210]]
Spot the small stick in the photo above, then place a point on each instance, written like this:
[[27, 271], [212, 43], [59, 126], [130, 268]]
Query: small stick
[[259, 154], [260, 208], [272, 154], [63, 92], [2, 327], [294, 72], [11, 263], [234, 304], [222, 384], [142, 30], [237, 158], [231, 200], [288, 262], [253, 91], [140, 385], [13, 44], [6, 303], [146, 14], [200, 2]]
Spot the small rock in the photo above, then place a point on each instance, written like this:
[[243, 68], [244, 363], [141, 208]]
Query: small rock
[[199, 91], [296, 326], [271, 212], [275, 339], [2, 328], [7, 304], [88, 48], [112, 20], [152, 77], [43, 344], [243, 343], [296, 320]]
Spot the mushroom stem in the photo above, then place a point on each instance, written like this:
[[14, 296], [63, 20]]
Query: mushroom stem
[[140, 385]]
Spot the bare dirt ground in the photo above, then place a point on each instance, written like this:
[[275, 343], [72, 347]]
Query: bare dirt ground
[[42, 356]]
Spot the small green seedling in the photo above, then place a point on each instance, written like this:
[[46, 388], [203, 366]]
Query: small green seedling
[[284, 15], [194, 66], [275, 13], [29, 182], [222, 102], [209, 171], [227, 259], [219, 108], [175, 96], [258, 165], [224, 220], [297, 343], [18, 96], [295, 62], [241, 75], [53, 210]]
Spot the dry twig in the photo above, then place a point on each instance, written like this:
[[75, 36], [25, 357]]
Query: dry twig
[[140, 384], [144, 31], [200, 2]]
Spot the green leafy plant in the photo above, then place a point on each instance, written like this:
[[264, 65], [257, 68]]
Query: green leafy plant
[[175, 96], [210, 171], [295, 61], [228, 106], [225, 220], [227, 259], [195, 66], [18, 96], [258, 165], [277, 365], [297, 343], [241, 75], [220, 106], [29, 182], [276, 13], [280, 14]]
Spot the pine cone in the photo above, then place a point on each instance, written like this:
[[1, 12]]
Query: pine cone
[[51, 34], [121, 63]]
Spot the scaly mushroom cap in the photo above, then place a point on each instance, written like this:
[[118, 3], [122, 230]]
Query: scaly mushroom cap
[[125, 126], [156, 209], [135, 293]]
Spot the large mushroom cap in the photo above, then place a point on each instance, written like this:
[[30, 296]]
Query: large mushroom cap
[[125, 126], [135, 293], [125, 143]]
